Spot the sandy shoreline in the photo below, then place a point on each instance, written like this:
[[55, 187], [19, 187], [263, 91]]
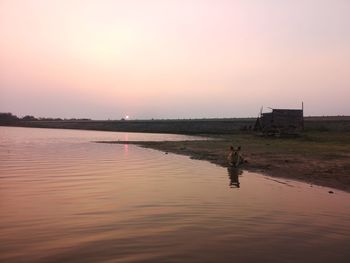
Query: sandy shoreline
[[313, 160]]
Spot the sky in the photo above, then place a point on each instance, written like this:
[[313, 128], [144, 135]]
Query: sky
[[106, 59]]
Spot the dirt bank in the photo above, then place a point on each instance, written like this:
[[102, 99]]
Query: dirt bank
[[316, 158]]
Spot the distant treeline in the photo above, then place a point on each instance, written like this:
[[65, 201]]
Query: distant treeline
[[9, 118], [179, 126]]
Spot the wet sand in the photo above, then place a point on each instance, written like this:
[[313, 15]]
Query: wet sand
[[316, 158]]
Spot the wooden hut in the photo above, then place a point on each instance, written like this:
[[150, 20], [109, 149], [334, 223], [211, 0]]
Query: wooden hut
[[281, 121]]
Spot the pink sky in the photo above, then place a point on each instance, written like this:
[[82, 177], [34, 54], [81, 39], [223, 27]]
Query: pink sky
[[173, 59]]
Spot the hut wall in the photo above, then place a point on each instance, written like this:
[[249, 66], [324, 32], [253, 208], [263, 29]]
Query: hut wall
[[288, 119], [282, 120], [266, 120]]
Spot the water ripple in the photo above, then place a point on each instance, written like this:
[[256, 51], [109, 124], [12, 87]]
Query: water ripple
[[65, 199]]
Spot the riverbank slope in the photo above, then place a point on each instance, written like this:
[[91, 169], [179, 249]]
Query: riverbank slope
[[320, 158]]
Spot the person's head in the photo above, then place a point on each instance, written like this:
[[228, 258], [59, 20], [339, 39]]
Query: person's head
[[239, 148], [231, 148]]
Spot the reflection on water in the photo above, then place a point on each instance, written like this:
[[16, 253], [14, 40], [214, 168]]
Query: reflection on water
[[234, 174], [65, 199]]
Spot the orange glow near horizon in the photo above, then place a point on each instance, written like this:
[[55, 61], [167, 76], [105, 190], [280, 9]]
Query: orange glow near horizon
[[173, 59]]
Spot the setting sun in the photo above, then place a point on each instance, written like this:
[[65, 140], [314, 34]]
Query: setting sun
[[104, 57]]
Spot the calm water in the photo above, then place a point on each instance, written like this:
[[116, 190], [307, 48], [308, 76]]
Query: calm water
[[64, 198]]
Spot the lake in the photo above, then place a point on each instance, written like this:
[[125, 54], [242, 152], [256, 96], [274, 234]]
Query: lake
[[65, 198]]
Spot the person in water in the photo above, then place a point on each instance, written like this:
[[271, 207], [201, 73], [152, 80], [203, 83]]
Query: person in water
[[234, 157], [230, 156]]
